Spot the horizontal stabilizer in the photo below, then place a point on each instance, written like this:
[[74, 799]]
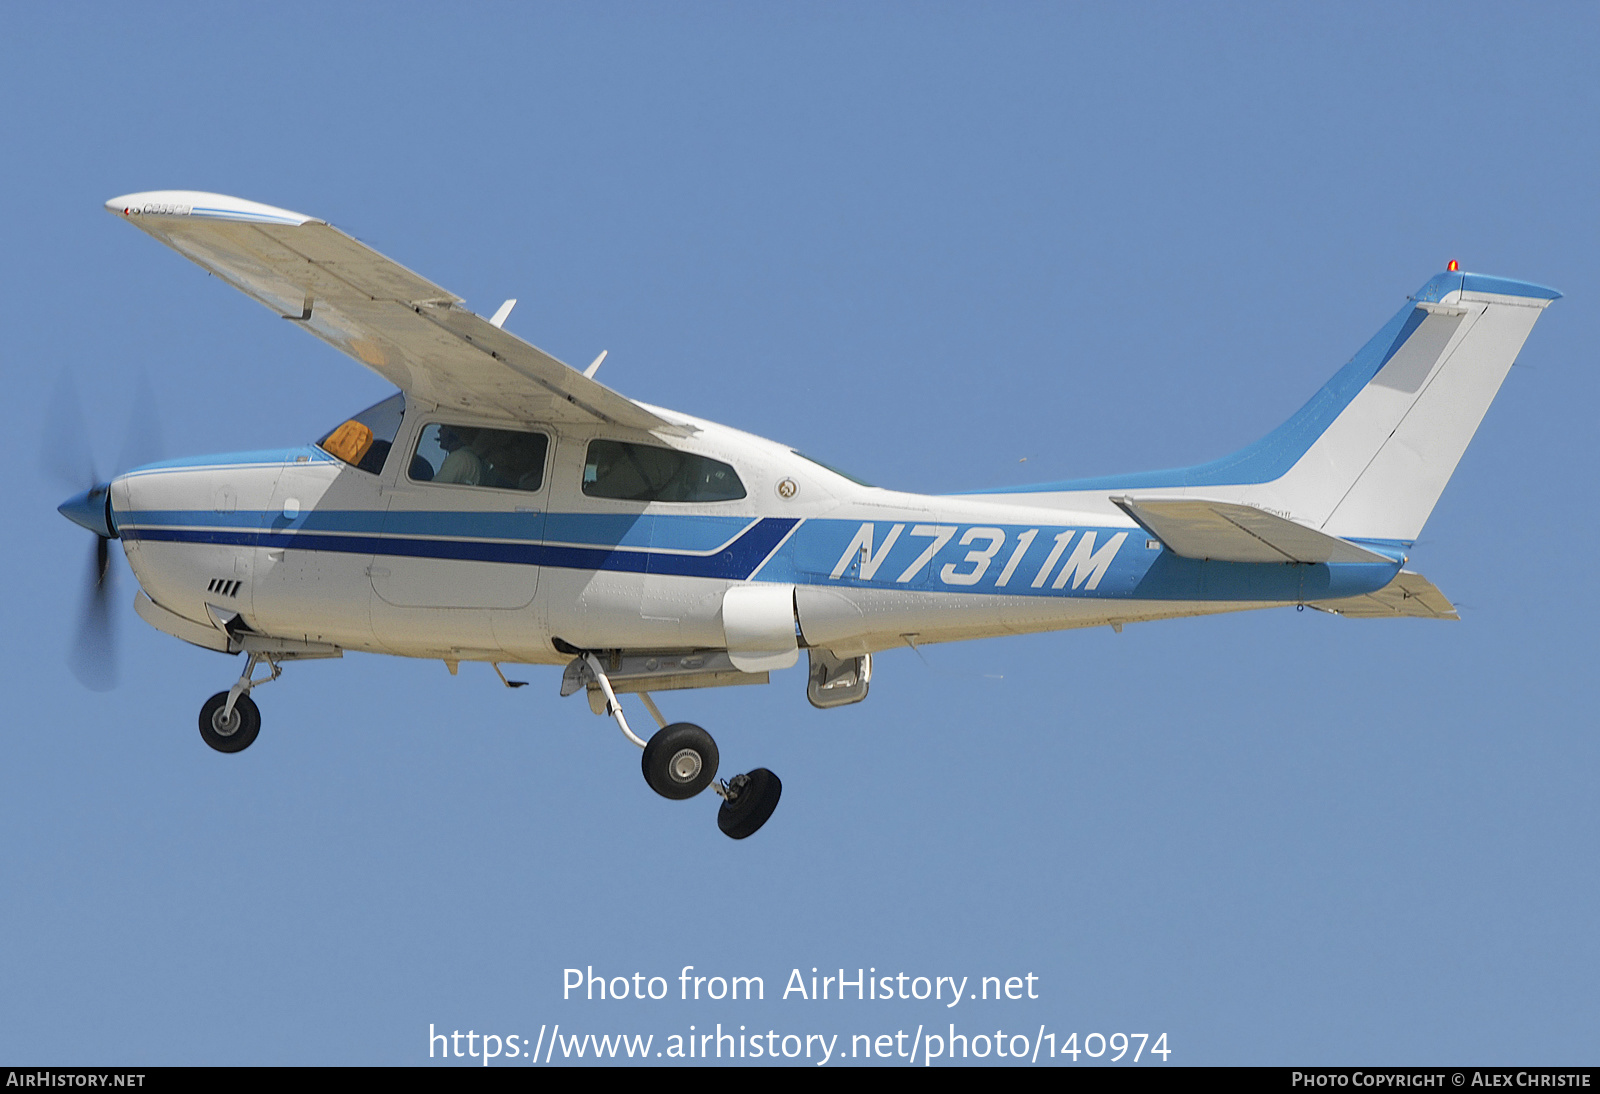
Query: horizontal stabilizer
[[1408, 594], [1226, 531]]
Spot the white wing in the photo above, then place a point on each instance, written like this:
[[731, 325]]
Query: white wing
[[400, 325]]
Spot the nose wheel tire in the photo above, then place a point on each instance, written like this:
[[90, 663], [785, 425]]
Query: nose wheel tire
[[232, 734], [680, 761], [748, 802]]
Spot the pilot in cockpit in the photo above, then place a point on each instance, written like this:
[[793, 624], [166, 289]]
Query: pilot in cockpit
[[461, 463]]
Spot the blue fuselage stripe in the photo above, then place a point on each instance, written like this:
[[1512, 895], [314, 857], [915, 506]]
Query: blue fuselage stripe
[[736, 563], [1022, 562], [644, 531]]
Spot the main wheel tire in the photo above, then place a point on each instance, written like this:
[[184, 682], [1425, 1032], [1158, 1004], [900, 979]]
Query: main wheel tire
[[233, 734], [758, 797], [680, 761]]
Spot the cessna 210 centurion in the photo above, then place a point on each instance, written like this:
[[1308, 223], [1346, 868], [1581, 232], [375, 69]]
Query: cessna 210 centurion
[[505, 507]]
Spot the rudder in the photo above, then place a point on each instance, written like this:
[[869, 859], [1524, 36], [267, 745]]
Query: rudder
[[1409, 427]]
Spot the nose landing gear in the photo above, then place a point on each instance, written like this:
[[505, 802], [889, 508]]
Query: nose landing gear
[[680, 760], [229, 731], [230, 720]]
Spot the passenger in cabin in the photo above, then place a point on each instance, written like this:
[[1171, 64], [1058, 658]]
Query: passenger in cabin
[[515, 460]]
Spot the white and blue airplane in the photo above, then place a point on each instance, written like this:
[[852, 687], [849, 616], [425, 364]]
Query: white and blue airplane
[[505, 507]]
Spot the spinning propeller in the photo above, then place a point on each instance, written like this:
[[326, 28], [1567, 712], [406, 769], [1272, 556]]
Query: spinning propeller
[[66, 456]]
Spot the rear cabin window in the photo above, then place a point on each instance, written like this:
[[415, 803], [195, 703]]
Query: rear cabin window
[[500, 459], [364, 441], [641, 472]]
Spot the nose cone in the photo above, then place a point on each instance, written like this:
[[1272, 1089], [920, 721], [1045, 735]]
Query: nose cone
[[91, 509]]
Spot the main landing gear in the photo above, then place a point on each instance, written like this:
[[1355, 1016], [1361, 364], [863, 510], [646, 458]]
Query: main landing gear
[[747, 802], [230, 720], [680, 760]]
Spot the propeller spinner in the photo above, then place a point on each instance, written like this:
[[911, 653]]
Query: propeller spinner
[[93, 656]]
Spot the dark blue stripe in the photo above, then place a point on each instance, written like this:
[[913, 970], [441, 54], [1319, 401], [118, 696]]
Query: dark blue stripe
[[736, 563], [641, 530]]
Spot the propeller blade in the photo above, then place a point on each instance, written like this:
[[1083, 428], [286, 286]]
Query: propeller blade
[[142, 443], [65, 454], [94, 655]]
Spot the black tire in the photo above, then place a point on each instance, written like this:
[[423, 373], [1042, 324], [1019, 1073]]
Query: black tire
[[680, 761], [758, 797], [239, 732]]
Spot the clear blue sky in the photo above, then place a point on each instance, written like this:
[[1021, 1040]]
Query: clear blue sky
[[923, 242]]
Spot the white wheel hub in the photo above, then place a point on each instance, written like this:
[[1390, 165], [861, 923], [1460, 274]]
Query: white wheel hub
[[685, 765]]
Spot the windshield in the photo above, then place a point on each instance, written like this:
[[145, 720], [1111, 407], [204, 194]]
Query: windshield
[[364, 441]]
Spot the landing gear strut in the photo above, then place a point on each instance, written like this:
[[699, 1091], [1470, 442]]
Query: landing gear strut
[[680, 760]]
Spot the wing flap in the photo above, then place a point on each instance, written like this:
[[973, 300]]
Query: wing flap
[[1226, 531], [1409, 594], [393, 321]]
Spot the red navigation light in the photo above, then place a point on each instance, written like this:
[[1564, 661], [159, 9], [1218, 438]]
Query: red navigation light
[[1454, 266]]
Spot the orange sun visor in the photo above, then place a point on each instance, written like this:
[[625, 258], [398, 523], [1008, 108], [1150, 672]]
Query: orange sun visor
[[349, 442]]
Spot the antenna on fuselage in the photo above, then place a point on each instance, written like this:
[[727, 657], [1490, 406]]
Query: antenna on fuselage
[[594, 366], [499, 319]]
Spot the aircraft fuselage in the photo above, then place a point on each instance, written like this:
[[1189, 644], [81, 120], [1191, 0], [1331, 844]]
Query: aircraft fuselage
[[302, 546]]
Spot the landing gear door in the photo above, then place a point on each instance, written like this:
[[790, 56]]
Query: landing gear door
[[837, 681]]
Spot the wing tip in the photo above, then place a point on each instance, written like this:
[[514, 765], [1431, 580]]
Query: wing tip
[[202, 205]]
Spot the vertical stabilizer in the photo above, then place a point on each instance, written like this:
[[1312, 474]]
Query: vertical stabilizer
[[1369, 455], [1410, 426]]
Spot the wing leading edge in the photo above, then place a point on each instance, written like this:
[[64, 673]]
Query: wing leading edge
[[405, 328]]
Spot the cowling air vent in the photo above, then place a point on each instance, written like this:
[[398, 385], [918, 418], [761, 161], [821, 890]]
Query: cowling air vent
[[223, 586]]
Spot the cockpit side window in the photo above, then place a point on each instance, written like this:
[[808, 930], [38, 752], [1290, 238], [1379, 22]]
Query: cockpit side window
[[641, 472], [501, 459], [364, 441]]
